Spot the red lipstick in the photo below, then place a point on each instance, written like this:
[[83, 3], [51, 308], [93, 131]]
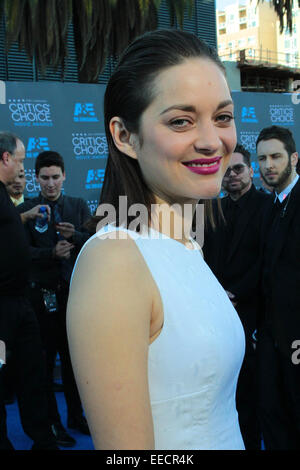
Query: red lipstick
[[204, 166]]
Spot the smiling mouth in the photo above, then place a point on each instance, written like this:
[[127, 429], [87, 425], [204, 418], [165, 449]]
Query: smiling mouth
[[203, 162], [204, 166]]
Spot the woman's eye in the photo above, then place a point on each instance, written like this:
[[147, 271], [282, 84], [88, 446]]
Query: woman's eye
[[180, 122], [225, 117]]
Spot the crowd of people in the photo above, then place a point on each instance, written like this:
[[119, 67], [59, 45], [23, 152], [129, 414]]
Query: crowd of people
[[163, 343], [35, 274]]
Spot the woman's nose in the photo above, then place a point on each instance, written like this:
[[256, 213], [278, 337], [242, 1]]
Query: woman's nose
[[208, 139]]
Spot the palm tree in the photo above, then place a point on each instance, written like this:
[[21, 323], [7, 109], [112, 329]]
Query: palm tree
[[102, 28], [284, 9]]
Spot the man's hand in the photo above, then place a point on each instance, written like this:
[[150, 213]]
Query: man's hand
[[232, 297], [34, 213], [66, 229], [62, 249]]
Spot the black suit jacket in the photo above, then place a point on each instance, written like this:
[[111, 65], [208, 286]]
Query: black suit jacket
[[282, 268], [46, 270], [236, 259]]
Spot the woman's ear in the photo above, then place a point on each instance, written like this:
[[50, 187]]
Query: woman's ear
[[124, 140]]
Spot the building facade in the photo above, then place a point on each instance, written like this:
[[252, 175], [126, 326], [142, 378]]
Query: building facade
[[250, 28], [267, 59]]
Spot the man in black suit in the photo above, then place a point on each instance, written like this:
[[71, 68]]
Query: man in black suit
[[19, 329], [232, 250], [279, 372], [53, 254]]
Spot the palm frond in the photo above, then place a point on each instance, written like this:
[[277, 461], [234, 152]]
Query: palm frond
[[14, 19]]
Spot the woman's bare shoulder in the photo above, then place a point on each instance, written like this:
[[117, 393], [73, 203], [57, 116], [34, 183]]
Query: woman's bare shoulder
[[114, 247], [107, 262]]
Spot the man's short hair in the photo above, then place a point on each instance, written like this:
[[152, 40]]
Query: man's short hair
[[246, 155], [279, 133], [8, 143], [49, 158]]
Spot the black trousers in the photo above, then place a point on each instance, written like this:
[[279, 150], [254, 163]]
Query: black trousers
[[279, 395], [247, 397], [20, 332], [247, 400], [54, 339]]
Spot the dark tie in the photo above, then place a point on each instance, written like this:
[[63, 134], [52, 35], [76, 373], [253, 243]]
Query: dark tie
[[65, 264]]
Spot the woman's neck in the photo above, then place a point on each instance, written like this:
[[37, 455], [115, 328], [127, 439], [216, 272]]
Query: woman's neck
[[173, 220]]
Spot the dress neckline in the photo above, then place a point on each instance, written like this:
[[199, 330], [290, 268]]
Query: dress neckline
[[195, 245]]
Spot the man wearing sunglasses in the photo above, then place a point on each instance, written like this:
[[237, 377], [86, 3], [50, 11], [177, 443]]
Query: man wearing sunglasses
[[279, 332], [232, 250]]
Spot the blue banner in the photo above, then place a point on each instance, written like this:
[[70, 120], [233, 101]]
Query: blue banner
[[68, 118]]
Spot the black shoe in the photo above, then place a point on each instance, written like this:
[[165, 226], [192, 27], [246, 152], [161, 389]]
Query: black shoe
[[9, 399], [62, 438], [79, 423]]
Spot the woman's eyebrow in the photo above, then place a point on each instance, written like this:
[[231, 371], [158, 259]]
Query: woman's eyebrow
[[192, 109], [181, 107], [223, 104]]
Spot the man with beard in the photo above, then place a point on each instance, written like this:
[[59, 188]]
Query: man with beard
[[279, 374], [232, 250]]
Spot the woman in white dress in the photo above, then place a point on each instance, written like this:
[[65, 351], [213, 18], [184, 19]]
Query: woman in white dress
[[155, 343]]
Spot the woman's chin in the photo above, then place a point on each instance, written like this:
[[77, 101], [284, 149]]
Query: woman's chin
[[210, 191]]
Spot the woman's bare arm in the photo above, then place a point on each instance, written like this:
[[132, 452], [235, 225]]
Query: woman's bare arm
[[108, 322]]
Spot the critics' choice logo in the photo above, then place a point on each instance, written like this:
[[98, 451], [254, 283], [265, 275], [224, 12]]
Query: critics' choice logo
[[94, 178], [93, 205], [248, 114], [248, 140], [256, 172], [29, 113], [35, 145], [281, 114], [89, 146], [32, 186], [84, 112]]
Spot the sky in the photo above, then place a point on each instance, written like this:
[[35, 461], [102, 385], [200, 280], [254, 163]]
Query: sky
[[220, 4]]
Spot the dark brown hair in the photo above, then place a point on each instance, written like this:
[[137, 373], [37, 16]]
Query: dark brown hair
[[49, 158], [129, 92]]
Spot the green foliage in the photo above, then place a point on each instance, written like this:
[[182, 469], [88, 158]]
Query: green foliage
[[101, 27]]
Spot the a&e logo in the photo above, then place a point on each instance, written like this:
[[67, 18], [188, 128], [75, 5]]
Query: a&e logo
[[36, 145], [84, 112], [95, 178], [248, 114]]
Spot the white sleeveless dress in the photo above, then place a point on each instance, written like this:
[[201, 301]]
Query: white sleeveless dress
[[195, 361]]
